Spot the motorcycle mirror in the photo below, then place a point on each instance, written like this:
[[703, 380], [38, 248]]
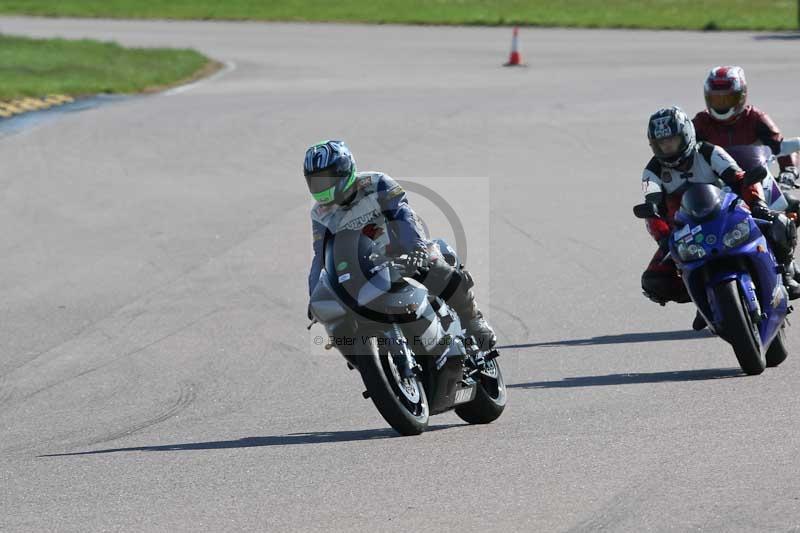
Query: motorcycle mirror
[[755, 175], [645, 210]]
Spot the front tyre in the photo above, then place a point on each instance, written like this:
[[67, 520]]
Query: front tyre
[[401, 401], [738, 328], [490, 397]]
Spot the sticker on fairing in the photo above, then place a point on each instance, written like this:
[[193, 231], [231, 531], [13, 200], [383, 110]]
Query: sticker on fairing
[[344, 277], [777, 296], [696, 230], [683, 232]]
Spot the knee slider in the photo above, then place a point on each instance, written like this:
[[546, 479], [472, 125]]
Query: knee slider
[[659, 286]]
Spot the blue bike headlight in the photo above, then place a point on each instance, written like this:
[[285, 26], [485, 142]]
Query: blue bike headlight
[[690, 252], [738, 235]]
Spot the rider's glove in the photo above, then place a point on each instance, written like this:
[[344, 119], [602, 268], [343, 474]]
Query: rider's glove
[[310, 316], [663, 244], [760, 210], [788, 177], [414, 261]]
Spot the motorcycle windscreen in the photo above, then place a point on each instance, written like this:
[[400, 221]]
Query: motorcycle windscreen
[[376, 286], [773, 194], [748, 156], [701, 201]]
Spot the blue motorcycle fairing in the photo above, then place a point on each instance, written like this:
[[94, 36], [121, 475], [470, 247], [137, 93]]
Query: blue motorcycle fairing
[[751, 263]]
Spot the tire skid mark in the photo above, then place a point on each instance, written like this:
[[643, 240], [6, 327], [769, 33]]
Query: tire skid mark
[[124, 355], [6, 392], [187, 393], [622, 507], [515, 318], [527, 235], [574, 137], [539, 243], [183, 275]]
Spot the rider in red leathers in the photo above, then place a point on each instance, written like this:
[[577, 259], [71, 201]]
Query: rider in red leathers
[[729, 120]]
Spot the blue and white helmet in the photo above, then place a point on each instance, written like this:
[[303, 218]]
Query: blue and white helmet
[[330, 172], [671, 135]]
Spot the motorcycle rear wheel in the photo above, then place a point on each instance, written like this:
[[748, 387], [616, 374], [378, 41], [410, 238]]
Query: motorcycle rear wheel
[[490, 397], [738, 328], [401, 402]]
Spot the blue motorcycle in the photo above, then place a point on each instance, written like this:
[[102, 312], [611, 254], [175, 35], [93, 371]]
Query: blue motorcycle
[[730, 272]]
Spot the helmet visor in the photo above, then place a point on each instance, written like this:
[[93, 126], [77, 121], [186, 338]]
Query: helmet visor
[[317, 184], [723, 101], [324, 180], [668, 146]]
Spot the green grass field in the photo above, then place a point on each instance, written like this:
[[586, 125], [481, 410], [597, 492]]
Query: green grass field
[[34, 67], [688, 14]]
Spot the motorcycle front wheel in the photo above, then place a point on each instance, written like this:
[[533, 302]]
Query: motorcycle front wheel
[[738, 328], [401, 401]]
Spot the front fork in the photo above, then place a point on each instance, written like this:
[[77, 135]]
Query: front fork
[[401, 354], [745, 283]]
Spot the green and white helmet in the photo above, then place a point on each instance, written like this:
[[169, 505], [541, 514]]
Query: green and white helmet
[[330, 172]]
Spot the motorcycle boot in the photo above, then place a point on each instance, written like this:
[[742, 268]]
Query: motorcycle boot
[[796, 271], [790, 280], [463, 302], [449, 280], [782, 237], [699, 322]]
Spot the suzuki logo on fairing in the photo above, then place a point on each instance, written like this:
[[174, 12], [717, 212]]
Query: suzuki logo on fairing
[[358, 222]]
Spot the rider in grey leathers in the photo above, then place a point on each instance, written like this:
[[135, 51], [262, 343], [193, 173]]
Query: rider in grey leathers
[[375, 204]]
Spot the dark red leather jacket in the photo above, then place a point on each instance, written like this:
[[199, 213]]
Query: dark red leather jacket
[[752, 127]]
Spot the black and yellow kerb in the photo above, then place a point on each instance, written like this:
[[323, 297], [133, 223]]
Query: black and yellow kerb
[[26, 105]]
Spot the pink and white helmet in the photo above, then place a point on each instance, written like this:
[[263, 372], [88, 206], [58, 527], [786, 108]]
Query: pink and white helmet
[[726, 93]]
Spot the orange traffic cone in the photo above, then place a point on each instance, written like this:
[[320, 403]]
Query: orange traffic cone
[[515, 59]]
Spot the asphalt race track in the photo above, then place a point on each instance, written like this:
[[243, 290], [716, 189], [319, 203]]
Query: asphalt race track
[[155, 369]]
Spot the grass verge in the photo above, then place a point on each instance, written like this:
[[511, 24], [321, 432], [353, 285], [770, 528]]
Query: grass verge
[[37, 67], [672, 14]]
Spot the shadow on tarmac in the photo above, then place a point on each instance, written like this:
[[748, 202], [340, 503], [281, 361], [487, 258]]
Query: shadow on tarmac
[[624, 338], [628, 379], [316, 437], [788, 36]]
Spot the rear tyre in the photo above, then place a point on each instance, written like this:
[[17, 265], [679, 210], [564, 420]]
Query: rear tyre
[[401, 402], [738, 328], [777, 354], [490, 398]]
